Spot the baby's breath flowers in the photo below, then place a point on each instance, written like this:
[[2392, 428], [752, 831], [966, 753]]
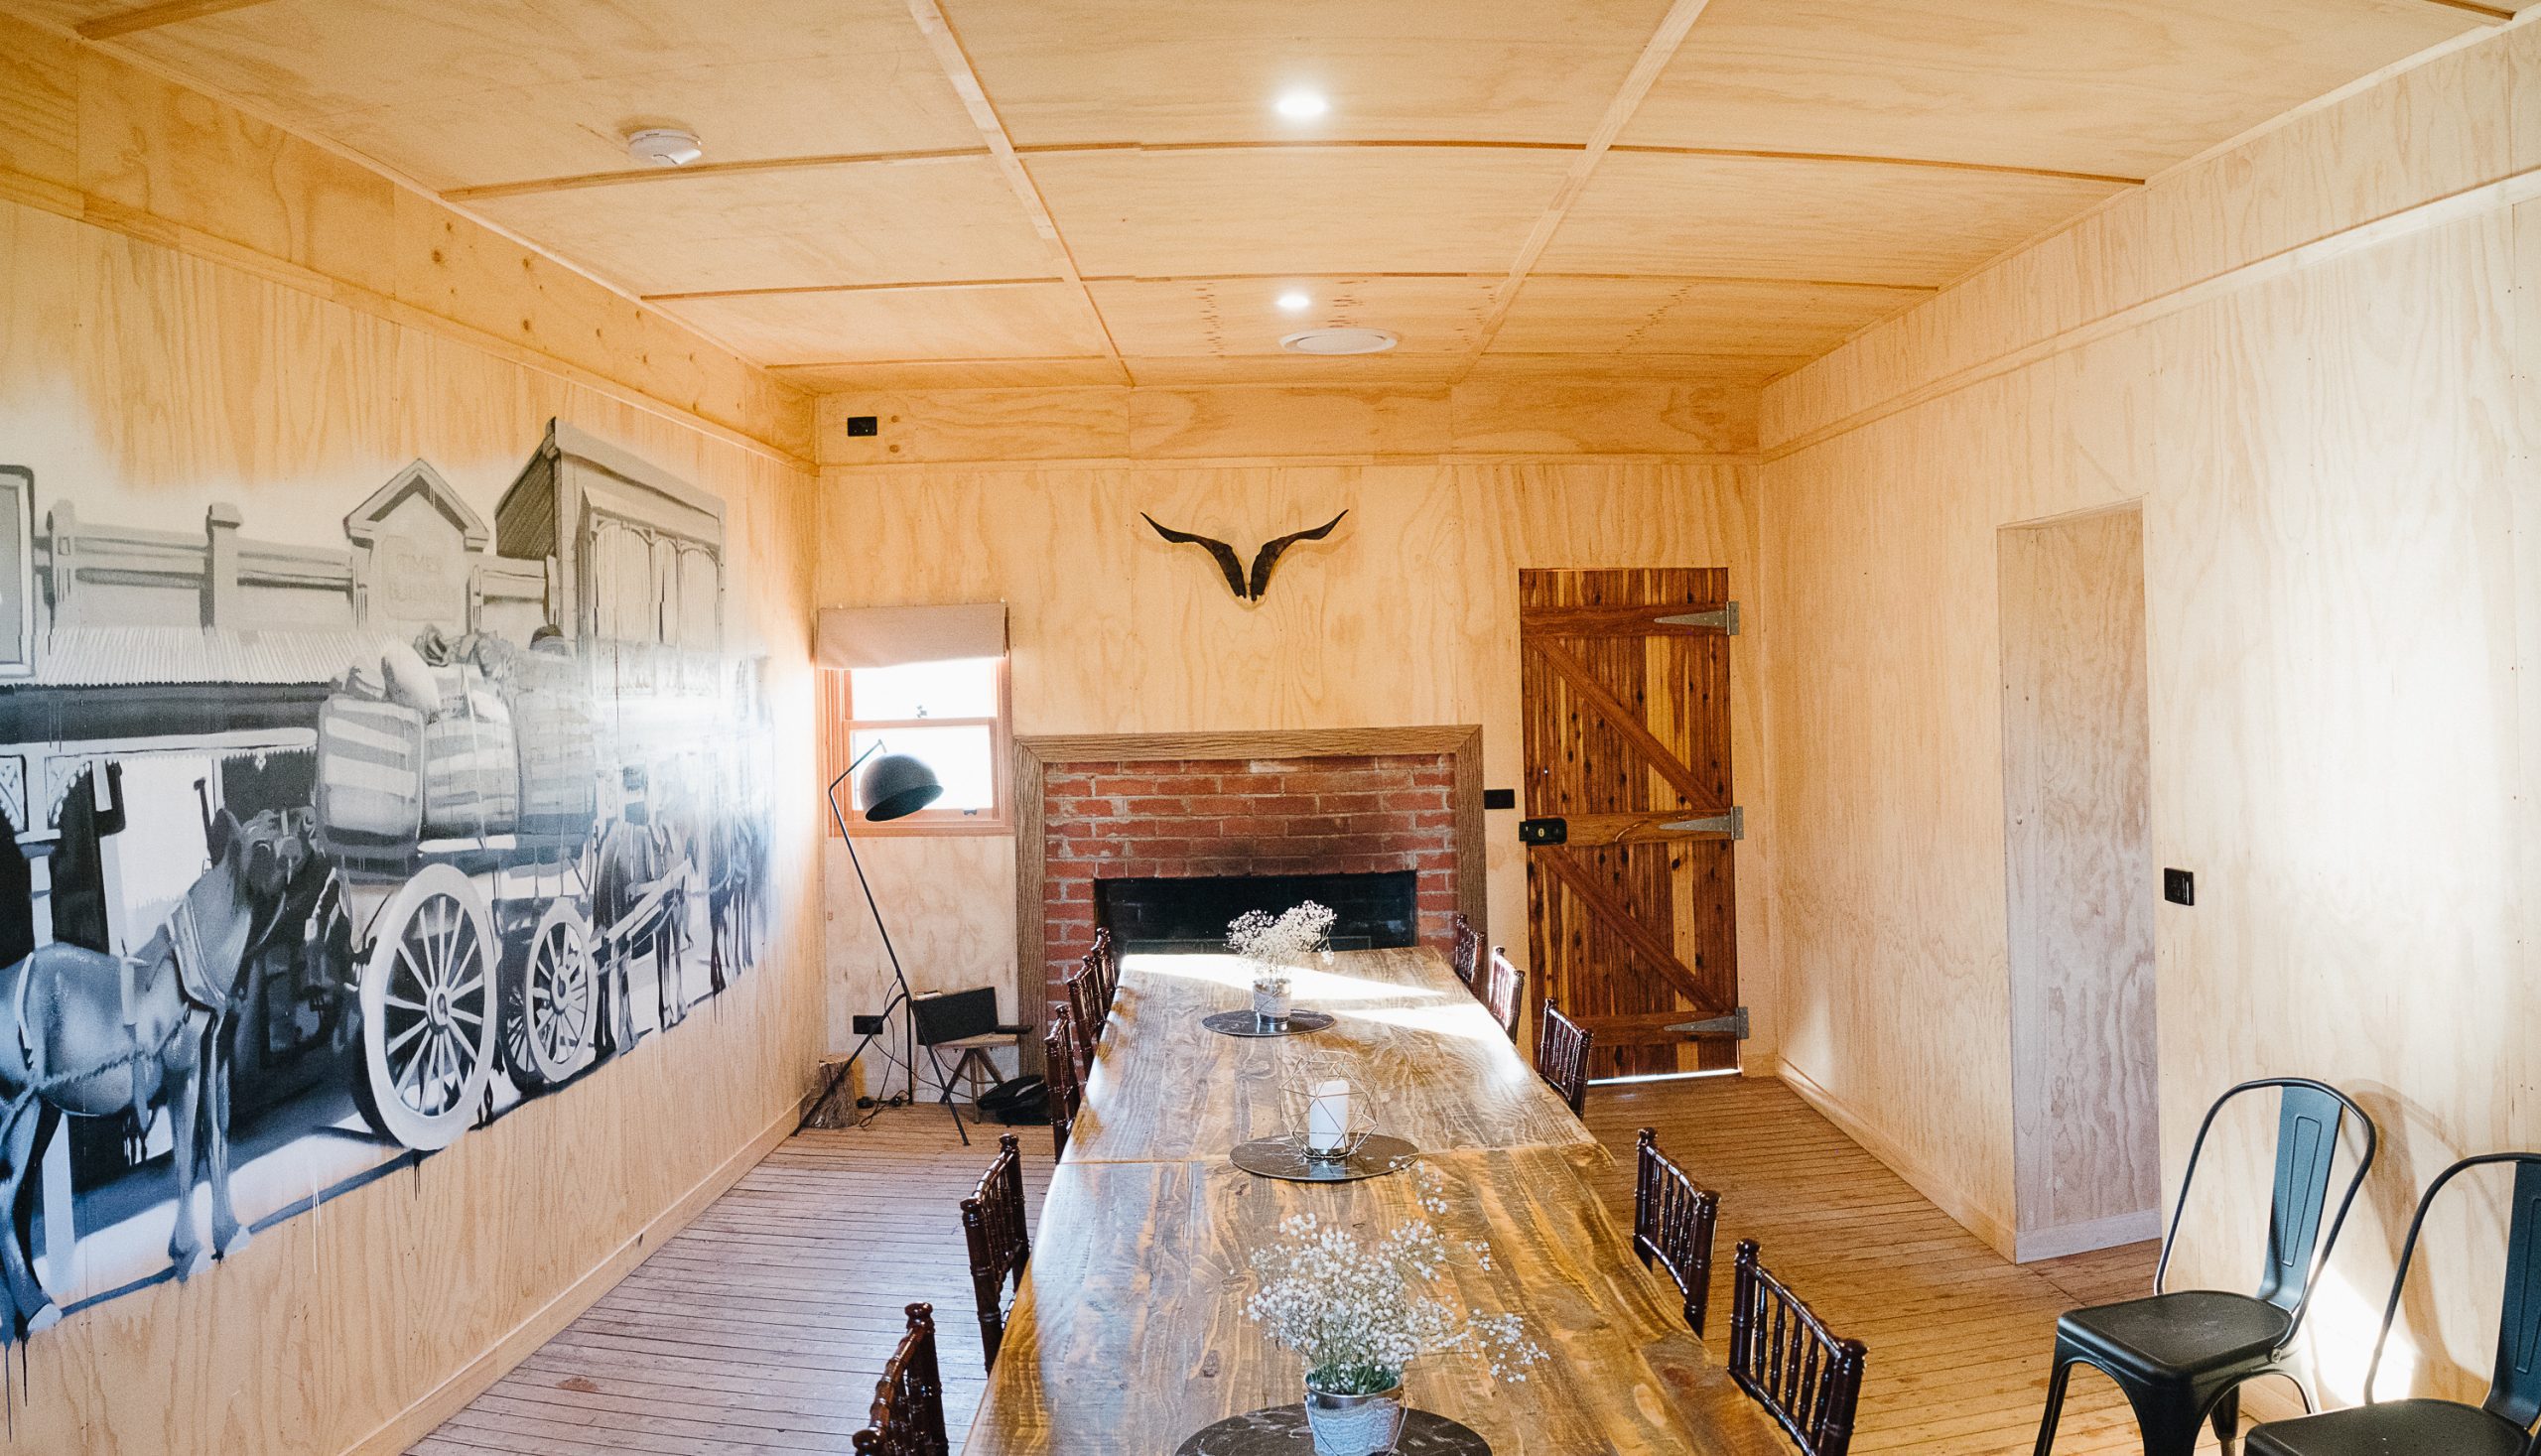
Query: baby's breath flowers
[[1355, 1311], [1275, 944]]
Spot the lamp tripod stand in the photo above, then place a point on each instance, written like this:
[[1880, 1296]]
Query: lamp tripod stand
[[898, 785]]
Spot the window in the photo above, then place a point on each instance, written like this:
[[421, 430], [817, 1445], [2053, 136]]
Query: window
[[950, 716]]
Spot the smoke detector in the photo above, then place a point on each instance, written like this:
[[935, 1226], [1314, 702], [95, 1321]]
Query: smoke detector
[[664, 146], [1337, 342]]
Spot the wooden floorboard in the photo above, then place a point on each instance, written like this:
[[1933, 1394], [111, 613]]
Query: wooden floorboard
[[760, 1328], [1959, 1336]]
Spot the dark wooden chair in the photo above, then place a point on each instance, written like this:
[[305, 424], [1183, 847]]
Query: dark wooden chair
[[1001, 1245], [1106, 959], [1561, 1056], [1085, 999], [1064, 1083], [2500, 1424], [2182, 1355], [1673, 1219], [1467, 958], [909, 1402], [1503, 991], [1783, 1356]]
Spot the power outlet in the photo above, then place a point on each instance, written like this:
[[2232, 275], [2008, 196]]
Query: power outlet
[[2178, 886], [859, 425], [865, 1025]]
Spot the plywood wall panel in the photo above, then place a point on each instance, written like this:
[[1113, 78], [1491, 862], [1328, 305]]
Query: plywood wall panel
[[109, 143], [2333, 459], [1408, 614], [2426, 133], [147, 382]]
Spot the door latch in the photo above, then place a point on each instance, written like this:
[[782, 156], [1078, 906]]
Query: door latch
[[1553, 831]]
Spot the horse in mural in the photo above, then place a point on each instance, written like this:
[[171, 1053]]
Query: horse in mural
[[90, 1034], [735, 852]]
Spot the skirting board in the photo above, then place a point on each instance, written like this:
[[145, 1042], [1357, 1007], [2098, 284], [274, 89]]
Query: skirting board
[[2082, 1238], [1946, 1195], [472, 1380]]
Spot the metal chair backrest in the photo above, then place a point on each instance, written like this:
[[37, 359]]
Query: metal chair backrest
[[2310, 1117], [909, 1402], [1779, 1352], [1672, 1221], [2515, 1384], [1467, 958], [1064, 1087], [1503, 990], [1561, 1057], [1001, 1246]]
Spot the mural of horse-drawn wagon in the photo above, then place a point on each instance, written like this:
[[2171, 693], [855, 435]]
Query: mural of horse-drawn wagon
[[305, 844]]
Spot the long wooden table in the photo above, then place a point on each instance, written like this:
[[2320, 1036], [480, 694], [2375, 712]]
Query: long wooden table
[[1130, 1333]]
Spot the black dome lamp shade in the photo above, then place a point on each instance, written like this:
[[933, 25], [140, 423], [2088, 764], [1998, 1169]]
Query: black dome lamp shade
[[898, 786]]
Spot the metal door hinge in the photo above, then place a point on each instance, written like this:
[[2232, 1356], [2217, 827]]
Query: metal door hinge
[[1733, 1025], [1733, 824], [1727, 619]]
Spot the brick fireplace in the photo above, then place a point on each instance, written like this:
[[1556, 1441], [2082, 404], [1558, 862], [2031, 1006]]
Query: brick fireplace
[[1363, 801]]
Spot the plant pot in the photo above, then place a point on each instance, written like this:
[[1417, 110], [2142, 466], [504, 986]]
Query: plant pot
[[1273, 1005], [1355, 1426]]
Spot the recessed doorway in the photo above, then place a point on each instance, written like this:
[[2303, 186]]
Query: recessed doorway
[[2079, 876]]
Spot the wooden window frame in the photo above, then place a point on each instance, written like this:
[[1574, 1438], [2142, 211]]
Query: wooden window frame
[[840, 726]]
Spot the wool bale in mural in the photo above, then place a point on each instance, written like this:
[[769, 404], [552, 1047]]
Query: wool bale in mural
[[314, 859]]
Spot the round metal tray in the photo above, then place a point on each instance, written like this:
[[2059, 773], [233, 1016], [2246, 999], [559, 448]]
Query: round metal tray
[[1245, 1023], [1281, 1431], [1285, 1157]]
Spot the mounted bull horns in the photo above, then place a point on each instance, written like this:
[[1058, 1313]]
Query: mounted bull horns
[[1264, 560]]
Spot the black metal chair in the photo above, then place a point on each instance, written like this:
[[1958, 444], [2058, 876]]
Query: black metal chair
[[1001, 1246], [2501, 1424], [1561, 1057], [2180, 1357], [1808, 1378], [1672, 1221], [1065, 1080], [909, 1402]]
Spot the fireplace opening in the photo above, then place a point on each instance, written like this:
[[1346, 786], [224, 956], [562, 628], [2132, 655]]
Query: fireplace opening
[[1191, 912]]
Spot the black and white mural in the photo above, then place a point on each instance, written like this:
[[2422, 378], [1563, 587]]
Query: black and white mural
[[316, 858]]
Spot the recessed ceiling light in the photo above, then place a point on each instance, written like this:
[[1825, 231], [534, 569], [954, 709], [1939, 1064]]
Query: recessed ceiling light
[[664, 146], [1302, 105], [1296, 301], [1337, 341]]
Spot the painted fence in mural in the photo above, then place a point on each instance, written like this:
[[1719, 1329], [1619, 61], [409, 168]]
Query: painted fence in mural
[[314, 859]]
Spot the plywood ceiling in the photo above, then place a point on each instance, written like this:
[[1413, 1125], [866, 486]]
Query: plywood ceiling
[[947, 192]]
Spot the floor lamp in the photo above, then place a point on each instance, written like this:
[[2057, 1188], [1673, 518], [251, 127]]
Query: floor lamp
[[895, 787]]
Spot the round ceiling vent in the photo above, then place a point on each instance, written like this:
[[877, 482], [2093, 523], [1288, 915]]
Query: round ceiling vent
[[665, 146], [1337, 342]]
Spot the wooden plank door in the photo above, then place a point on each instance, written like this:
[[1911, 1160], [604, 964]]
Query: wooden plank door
[[1632, 924]]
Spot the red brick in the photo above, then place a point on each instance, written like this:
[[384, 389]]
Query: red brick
[[1107, 784]]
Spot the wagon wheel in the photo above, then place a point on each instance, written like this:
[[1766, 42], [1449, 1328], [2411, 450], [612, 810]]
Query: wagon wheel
[[551, 1004], [428, 1010]]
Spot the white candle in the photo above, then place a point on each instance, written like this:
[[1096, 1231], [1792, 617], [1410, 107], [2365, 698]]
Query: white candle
[[1328, 1116]]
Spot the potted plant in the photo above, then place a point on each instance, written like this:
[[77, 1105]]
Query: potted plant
[[1276, 945], [1360, 1312]]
